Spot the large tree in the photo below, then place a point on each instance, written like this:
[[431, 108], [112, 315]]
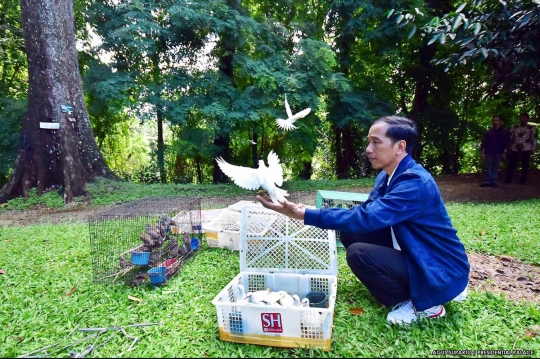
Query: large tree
[[66, 157]]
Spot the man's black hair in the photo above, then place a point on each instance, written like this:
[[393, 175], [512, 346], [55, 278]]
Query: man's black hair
[[400, 128]]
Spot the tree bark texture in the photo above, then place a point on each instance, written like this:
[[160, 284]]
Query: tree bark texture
[[48, 158]]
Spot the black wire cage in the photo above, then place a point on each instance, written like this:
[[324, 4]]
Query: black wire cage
[[145, 241]]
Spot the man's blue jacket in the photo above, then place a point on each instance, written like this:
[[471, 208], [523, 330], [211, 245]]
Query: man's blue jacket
[[412, 205]]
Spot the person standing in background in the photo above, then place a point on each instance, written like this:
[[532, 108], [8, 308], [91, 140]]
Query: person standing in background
[[523, 139], [494, 147]]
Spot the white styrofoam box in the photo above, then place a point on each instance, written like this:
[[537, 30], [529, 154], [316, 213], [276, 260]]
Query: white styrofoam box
[[280, 254], [237, 207], [224, 230]]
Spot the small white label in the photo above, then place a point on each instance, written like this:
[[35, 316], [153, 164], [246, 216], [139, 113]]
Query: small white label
[[49, 125]]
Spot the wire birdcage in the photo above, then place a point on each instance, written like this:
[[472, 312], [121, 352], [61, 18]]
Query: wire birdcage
[[130, 243]]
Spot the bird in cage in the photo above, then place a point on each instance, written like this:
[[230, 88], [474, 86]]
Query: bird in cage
[[139, 279], [257, 296], [289, 300], [167, 222], [241, 294], [250, 298], [156, 256], [124, 263], [187, 241], [162, 227], [172, 248], [147, 240], [153, 231], [159, 242], [273, 297], [145, 249], [253, 178]]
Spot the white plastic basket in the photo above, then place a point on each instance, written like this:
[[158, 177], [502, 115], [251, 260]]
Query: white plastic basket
[[224, 230], [274, 325], [237, 207], [280, 255]]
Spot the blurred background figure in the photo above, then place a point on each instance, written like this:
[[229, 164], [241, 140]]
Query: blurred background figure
[[494, 147], [523, 139]]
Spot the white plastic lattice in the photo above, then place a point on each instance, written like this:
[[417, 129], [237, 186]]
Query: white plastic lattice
[[270, 241], [237, 207], [225, 221]]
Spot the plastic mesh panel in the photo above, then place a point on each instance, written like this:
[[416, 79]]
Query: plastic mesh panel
[[275, 242]]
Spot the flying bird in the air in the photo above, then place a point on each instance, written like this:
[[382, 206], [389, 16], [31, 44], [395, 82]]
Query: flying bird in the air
[[253, 178], [288, 123]]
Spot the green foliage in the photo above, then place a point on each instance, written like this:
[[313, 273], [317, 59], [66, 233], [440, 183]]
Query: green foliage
[[13, 85], [502, 33], [11, 116], [51, 199], [13, 72]]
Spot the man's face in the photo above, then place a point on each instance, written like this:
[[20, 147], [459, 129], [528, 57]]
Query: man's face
[[381, 152], [496, 122], [523, 120]]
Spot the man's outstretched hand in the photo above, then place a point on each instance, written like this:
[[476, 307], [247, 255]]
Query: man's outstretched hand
[[290, 209]]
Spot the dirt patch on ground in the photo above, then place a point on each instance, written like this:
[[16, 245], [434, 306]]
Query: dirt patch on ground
[[504, 274], [500, 274]]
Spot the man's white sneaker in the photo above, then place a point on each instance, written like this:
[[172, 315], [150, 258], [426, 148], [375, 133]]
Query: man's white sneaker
[[461, 296], [406, 313]]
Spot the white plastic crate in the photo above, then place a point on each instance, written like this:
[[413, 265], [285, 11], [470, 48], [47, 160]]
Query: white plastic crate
[[224, 230], [290, 256], [237, 207]]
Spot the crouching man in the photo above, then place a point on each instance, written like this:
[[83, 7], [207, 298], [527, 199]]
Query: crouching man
[[400, 242]]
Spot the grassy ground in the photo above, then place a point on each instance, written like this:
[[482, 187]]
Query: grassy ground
[[105, 192], [43, 263]]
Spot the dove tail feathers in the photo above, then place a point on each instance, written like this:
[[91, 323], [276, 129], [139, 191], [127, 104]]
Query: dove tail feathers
[[285, 125], [279, 195]]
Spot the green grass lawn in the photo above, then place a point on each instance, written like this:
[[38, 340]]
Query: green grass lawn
[[42, 263]]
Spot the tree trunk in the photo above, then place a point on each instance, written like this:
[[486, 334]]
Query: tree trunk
[[199, 169], [254, 158], [306, 173], [161, 148], [47, 158], [422, 80], [222, 144]]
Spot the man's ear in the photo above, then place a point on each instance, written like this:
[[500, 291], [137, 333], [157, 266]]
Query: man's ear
[[402, 146]]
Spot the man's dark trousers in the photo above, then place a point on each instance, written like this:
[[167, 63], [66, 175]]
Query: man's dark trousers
[[381, 268]]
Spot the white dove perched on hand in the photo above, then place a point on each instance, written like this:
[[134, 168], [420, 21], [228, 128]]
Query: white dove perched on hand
[[288, 123], [253, 178]]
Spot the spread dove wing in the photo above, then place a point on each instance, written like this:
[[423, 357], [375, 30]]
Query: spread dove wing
[[253, 178], [288, 123]]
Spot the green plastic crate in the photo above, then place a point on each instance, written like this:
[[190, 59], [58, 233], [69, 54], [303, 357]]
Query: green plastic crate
[[338, 199]]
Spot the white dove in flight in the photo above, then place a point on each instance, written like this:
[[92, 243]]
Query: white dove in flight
[[253, 178], [288, 123]]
